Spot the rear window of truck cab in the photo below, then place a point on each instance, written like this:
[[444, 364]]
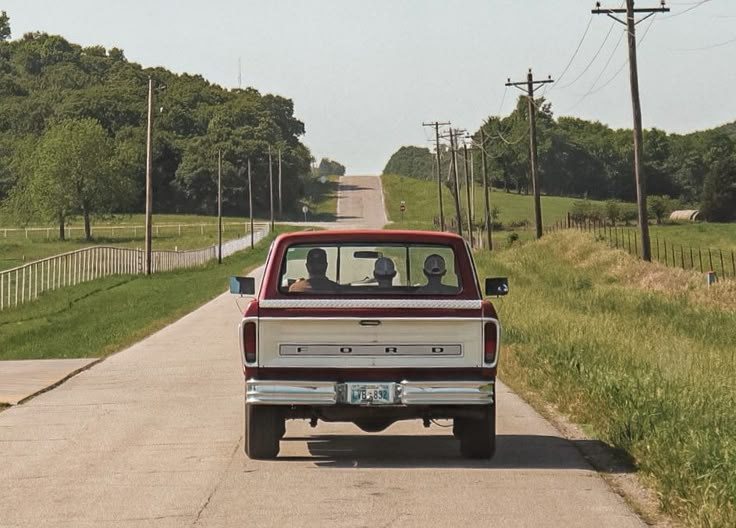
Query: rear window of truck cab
[[370, 269]]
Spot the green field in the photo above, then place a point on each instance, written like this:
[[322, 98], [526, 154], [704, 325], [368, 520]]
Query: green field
[[100, 317], [421, 204], [705, 235], [169, 232], [641, 355]]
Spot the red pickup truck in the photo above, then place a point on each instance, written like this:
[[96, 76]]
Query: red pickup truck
[[369, 327]]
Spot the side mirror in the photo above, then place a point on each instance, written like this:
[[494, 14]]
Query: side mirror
[[497, 286], [242, 285]]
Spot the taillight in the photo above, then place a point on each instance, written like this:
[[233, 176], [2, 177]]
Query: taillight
[[249, 342], [490, 339]]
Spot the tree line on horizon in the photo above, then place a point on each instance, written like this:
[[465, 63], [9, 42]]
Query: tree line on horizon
[[73, 136], [588, 159]]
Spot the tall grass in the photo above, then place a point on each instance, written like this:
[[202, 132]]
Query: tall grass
[[644, 356]]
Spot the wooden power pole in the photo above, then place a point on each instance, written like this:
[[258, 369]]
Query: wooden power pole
[[437, 126], [281, 208], [487, 208], [219, 207], [641, 181], [250, 204], [531, 86], [453, 161], [270, 183], [468, 214], [149, 184]]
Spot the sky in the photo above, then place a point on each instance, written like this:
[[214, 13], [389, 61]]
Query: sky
[[364, 75]]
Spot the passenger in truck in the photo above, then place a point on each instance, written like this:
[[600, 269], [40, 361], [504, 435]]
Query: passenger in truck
[[435, 269], [384, 272], [317, 270]]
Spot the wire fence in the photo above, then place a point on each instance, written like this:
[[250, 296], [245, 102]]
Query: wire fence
[[25, 283], [665, 251]]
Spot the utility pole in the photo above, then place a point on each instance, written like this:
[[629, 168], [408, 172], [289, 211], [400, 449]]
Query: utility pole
[[219, 206], [456, 194], [641, 181], [270, 183], [281, 209], [467, 191], [437, 126], [531, 85], [250, 204], [487, 208], [149, 184]]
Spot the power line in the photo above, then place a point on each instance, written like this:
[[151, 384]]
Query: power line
[[713, 46], [575, 53], [697, 5], [615, 75], [587, 67]]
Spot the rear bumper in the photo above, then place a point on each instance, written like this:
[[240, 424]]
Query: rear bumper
[[408, 393]]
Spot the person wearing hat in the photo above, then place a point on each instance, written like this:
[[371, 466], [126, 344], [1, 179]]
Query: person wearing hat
[[384, 272], [317, 269], [434, 269]]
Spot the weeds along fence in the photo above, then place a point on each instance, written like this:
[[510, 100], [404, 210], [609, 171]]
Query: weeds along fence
[[664, 251], [25, 283], [119, 231]]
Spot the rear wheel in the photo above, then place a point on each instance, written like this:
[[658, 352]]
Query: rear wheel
[[264, 427], [477, 435]]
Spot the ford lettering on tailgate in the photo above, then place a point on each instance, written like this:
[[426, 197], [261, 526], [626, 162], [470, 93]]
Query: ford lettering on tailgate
[[371, 350]]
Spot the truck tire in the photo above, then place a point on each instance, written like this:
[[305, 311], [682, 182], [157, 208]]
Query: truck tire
[[264, 427], [478, 436]]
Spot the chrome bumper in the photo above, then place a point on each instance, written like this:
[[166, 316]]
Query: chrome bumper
[[265, 392]]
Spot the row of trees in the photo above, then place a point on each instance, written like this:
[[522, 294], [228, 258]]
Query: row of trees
[[72, 135], [328, 167], [584, 158]]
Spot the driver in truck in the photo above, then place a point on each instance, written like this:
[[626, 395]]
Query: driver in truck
[[317, 269], [384, 272]]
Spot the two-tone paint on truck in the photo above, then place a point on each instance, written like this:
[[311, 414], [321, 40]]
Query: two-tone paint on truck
[[366, 356]]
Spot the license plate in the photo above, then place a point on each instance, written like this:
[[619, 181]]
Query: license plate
[[371, 393]]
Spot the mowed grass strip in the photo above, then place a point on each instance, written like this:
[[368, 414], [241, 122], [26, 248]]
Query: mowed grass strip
[[643, 356], [100, 317]]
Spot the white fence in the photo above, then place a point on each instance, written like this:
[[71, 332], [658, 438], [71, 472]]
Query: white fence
[[25, 283], [119, 230]]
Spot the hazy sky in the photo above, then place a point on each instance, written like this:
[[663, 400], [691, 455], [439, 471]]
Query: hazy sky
[[365, 74]]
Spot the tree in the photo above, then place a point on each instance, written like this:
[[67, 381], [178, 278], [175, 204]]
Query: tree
[[71, 172], [661, 207], [719, 191], [327, 167], [4, 26], [413, 162]]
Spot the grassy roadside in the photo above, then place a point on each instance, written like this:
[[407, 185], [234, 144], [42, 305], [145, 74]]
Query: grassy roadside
[[100, 317], [642, 356]]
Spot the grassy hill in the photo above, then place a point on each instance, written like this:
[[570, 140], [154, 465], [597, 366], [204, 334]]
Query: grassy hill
[[642, 355], [421, 205]]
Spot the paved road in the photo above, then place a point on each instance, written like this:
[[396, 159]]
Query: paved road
[[153, 437]]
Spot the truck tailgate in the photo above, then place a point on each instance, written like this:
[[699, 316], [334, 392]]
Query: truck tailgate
[[338, 342]]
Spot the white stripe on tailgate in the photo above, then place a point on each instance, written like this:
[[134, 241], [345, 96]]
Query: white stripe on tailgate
[[440, 304]]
